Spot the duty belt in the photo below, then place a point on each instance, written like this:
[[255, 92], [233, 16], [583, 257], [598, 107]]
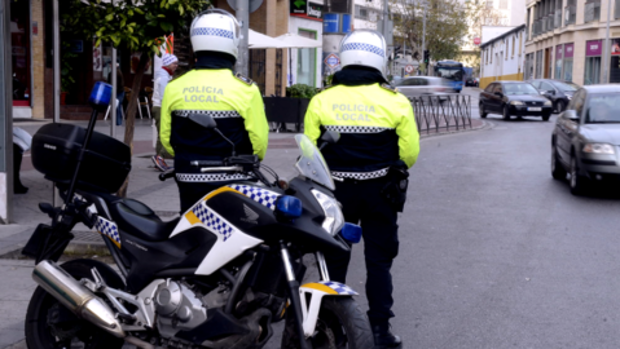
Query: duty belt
[[361, 175], [211, 177]]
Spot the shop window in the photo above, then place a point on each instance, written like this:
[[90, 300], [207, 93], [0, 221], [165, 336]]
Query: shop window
[[306, 61], [568, 69], [593, 71], [20, 52]]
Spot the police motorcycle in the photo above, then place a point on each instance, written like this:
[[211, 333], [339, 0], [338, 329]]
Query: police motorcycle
[[216, 277]]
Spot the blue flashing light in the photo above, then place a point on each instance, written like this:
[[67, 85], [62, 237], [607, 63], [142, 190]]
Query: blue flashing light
[[351, 232], [100, 95], [288, 206]]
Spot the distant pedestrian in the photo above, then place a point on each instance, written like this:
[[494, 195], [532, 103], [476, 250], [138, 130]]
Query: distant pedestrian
[[170, 64], [120, 93]]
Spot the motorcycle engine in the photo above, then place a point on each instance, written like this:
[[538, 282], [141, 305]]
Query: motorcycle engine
[[179, 308]]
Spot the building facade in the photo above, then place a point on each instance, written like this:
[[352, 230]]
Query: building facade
[[566, 40], [503, 57]]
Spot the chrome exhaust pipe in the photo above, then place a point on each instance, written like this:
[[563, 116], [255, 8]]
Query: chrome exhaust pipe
[[77, 298]]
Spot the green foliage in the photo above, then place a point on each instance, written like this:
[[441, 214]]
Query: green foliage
[[446, 26], [301, 91], [139, 26], [66, 78]]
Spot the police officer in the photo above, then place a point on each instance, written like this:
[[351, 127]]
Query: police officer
[[212, 89], [379, 142]]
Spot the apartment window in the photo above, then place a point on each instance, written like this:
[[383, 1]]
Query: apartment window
[[570, 12], [361, 12], [592, 11], [489, 3], [557, 22], [514, 40]]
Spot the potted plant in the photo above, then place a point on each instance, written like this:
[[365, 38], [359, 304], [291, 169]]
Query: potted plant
[[292, 108]]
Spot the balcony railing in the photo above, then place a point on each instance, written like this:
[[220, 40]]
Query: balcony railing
[[558, 18], [570, 14], [592, 11]]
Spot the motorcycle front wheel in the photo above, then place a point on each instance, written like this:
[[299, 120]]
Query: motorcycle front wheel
[[341, 324], [49, 325]]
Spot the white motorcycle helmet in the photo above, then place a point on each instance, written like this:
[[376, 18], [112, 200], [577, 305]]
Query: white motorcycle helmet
[[364, 47], [215, 30]]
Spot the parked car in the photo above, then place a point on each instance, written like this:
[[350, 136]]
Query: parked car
[[514, 98], [586, 138], [471, 82], [557, 91], [416, 86]]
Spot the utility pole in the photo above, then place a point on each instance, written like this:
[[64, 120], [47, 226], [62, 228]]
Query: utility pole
[[114, 91], [243, 16], [424, 37], [606, 48]]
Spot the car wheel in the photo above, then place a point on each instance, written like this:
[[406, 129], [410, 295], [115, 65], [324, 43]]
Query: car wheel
[[557, 170], [577, 182], [483, 113], [546, 117], [506, 113], [560, 106]]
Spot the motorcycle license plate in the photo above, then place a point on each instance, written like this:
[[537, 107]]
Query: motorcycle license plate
[[534, 109]]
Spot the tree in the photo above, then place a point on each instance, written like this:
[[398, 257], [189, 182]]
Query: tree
[[138, 25], [479, 15], [446, 26]]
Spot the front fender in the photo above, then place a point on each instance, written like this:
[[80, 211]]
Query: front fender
[[318, 290]]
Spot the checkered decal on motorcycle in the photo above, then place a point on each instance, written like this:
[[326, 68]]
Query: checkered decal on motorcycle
[[210, 177], [109, 229], [212, 32], [356, 129], [358, 46], [342, 289], [216, 114], [212, 221], [361, 175], [264, 197]]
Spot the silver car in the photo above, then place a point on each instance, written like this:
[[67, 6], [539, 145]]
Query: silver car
[[416, 86]]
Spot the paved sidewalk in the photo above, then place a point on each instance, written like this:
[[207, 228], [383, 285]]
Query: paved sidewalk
[[16, 285]]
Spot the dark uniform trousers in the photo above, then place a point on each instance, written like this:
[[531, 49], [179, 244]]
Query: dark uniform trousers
[[364, 204]]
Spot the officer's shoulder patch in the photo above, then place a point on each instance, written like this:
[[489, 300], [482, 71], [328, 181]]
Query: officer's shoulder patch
[[244, 79], [389, 88]]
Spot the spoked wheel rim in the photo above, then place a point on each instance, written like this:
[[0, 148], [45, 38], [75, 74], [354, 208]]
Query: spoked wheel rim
[[330, 333]]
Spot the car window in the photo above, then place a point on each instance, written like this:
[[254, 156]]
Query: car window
[[536, 84], [545, 86], [576, 103], [406, 82], [424, 82], [566, 86], [602, 108], [498, 88], [490, 88], [519, 89]]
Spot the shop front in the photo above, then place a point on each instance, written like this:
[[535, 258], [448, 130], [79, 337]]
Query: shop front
[[594, 53], [306, 21], [21, 58]]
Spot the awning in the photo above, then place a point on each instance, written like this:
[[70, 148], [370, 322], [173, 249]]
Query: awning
[[258, 40], [295, 41]]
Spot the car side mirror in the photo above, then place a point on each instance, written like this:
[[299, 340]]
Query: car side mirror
[[203, 120], [570, 115], [550, 93]]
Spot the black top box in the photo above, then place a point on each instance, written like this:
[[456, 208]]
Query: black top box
[[106, 164]]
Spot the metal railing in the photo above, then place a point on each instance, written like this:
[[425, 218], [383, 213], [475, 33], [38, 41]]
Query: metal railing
[[435, 113]]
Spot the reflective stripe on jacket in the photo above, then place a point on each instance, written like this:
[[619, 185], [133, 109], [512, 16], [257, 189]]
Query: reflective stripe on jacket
[[376, 124]]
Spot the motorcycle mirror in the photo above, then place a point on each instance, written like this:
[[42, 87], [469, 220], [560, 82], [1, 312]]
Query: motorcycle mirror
[[331, 137], [203, 120]]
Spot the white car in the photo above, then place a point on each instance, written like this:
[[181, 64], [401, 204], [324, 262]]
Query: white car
[[417, 86]]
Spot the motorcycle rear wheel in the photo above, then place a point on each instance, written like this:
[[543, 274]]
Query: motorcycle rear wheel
[[49, 325], [341, 324]]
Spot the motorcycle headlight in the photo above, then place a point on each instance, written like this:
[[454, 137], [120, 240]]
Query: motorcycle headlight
[[548, 103], [334, 220], [516, 103], [599, 148]]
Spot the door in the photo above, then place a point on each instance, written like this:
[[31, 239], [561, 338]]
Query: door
[[547, 66], [485, 97], [495, 100], [306, 61], [568, 128]]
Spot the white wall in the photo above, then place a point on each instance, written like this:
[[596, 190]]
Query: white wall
[[294, 25], [491, 32], [499, 65]]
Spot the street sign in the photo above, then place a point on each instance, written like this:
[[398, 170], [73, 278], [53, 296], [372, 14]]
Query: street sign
[[409, 68], [476, 41], [332, 61]]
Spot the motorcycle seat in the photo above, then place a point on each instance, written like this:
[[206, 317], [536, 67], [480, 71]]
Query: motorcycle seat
[[137, 219]]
